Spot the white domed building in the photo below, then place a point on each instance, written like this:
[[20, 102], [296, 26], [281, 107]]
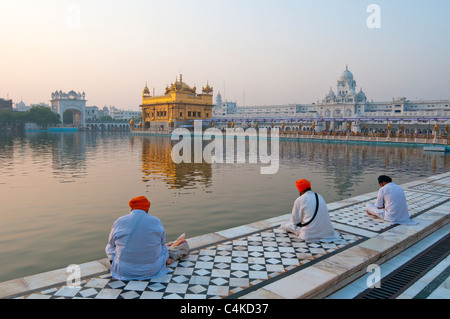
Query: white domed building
[[346, 90], [343, 107], [346, 102]]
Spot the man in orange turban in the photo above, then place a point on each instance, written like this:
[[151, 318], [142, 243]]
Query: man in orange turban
[[310, 219], [302, 185], [136, 245], [140, 202]]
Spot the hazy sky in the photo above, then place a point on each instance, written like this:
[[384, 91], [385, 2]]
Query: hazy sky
[[271, 52]]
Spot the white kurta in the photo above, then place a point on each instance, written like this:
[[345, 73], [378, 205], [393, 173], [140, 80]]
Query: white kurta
[[136, 247], [303, 211], [392, 197]]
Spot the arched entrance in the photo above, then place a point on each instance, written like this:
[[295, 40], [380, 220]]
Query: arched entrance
[[72, 117]]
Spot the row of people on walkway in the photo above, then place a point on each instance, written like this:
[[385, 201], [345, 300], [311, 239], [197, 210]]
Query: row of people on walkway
[[137, 246]]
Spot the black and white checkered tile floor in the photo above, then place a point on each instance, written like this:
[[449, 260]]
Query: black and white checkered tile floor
[[440, 186], [355, 216], [226, 269]]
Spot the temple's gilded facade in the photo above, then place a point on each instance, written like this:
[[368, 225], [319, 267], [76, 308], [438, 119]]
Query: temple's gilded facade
[[180, 105]]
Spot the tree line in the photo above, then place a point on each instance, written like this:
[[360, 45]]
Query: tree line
[[41, 115]]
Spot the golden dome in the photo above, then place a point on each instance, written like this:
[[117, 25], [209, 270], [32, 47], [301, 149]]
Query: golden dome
[[180, 86], [207, 89], [146, 91]]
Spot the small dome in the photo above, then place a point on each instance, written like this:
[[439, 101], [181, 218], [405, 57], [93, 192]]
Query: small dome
[[331, 93], [361, 95], [347, 75], [146, 91], [207, 89]]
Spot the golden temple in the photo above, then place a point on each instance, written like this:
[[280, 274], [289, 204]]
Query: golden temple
[[180, 105]]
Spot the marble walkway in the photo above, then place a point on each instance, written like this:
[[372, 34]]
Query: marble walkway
[[260, 260]]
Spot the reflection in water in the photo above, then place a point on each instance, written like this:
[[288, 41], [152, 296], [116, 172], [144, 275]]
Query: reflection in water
[[346, 165], [157, 163], [61, 192], [65, 153], [69, 157]]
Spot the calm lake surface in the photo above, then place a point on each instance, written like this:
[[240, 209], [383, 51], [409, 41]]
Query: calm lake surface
[[61, 192]]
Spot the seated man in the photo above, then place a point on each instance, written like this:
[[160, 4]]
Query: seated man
[[391, 203], [136, 246], [310, 219]]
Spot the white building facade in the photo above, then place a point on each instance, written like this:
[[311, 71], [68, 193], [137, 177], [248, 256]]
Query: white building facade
[[118, 114], [93, 113], [340, 107]]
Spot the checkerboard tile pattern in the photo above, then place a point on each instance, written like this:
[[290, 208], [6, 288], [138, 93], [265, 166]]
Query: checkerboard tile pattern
[[433, 188], [216, 271], [418, 202], [443, 181], [355, 215]]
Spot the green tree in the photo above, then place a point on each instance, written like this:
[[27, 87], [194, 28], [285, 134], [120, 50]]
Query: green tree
[[43, 116], [40, 115], [11, 116], [6, 116]]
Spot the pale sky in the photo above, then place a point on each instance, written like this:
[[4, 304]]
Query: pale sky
[[271, 52]]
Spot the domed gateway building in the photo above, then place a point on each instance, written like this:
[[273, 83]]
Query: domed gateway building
[[180, 106], [74, 102]]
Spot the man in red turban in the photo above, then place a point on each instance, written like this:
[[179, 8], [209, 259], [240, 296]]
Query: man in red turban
[[302, 185], [136, 245], [310, 219], [140, 202]]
